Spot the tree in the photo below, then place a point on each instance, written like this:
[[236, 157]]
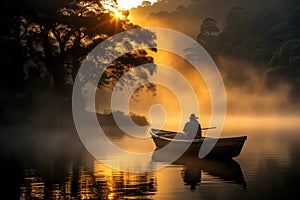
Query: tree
[[62, 36], [209, 27], [54, 37], [208, 34], [287, 55]]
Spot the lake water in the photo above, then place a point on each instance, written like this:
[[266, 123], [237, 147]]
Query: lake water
[[53, 164]]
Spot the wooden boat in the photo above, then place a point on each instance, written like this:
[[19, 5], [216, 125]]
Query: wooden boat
[[221, 147]]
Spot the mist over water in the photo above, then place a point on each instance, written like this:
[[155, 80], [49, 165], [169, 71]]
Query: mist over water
[[248, 96], [43, 163], [248, 92]]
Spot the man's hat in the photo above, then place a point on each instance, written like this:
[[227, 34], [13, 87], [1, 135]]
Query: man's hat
[[193, 116]]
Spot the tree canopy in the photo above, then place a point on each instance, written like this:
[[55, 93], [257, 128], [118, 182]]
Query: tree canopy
[[209, 27], [268, 38], [48, 40]]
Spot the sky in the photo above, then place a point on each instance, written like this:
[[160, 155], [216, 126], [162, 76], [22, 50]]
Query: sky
[[128, 4]]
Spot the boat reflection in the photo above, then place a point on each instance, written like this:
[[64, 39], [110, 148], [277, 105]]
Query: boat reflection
[[228, 170]]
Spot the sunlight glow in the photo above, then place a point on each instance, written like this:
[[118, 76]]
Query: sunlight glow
[[114, 10], [118, 14], [120, 9], [128, 4]]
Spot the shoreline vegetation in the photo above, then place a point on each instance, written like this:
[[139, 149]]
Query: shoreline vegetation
[[108, 119]]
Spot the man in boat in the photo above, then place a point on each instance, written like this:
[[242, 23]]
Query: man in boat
[[193, 128]]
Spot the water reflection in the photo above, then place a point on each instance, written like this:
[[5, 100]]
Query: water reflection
[[54, 165], [99, 182], [77, 175], [87, 178], [193, 167]]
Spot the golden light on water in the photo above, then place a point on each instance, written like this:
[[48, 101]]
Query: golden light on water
[[111, 196]]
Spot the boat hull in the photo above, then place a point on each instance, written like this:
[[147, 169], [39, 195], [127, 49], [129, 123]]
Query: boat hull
[[217, 147]]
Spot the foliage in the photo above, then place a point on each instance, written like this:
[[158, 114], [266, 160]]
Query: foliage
[[209, 27], [48, 40], [267, 38], [208, 34]]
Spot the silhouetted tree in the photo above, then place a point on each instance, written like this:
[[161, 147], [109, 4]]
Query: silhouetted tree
[[62, 36], [50, 39], [209, 27], [208, 34]]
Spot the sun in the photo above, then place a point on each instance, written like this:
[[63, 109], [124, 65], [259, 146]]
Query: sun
[[118, 14]]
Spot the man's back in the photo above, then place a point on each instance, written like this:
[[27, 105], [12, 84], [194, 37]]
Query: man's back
[[192, 129]]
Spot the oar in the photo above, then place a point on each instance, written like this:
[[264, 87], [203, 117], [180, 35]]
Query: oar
[[208, 128]]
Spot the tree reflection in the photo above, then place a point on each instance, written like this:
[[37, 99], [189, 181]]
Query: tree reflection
[[81, 182]]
